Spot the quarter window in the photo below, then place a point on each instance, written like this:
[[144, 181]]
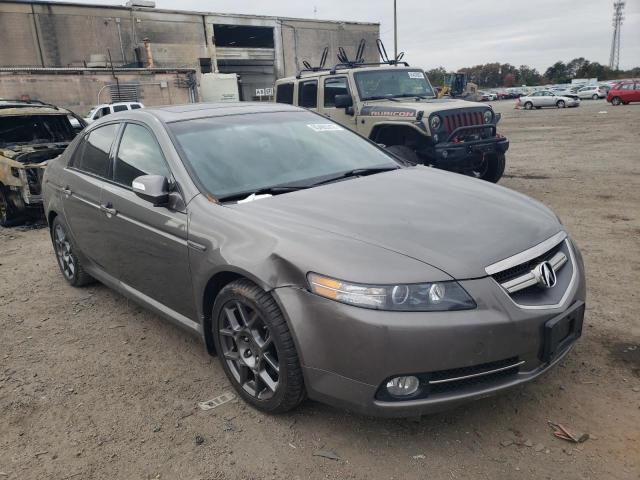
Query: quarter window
[[138, 154], [135, 106], [333, 87], [119, 108], [308, 94], [284, 93], [95, 154]]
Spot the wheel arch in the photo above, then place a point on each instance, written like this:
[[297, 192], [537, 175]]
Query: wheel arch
[[397, 133]]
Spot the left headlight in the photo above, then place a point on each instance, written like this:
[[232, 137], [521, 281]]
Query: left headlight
[[435, 123], [487, 116], [417, 297]]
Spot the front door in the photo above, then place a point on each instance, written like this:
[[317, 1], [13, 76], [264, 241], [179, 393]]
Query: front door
[[82, 194], [332, 86], [151, 242]]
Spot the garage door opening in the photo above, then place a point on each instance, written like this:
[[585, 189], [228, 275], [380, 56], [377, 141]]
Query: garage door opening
[[243, 36]]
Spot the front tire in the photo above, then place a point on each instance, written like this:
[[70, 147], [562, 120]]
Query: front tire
[[616, 101], [10, 214], [491, 168], [528, 106], [69, 263], [594, 97], [256, 348], [406, 154]]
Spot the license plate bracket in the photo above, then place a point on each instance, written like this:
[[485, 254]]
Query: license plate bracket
[[562, 330]]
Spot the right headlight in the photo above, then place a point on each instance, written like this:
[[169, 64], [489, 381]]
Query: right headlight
[[416, 297], [435, 123]]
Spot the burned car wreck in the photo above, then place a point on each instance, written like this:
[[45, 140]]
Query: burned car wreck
[[31, 134]]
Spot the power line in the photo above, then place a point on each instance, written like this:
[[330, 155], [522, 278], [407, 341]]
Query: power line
[[618, 17]]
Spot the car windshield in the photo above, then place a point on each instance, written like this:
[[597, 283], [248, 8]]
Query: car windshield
[[35, 129], [233, 155], [390, 83]]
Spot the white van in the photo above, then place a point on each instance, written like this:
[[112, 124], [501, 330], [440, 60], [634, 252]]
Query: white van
[[108, 108]]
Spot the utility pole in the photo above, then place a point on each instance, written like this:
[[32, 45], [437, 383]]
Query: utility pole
[[618, 17], [395, 29]]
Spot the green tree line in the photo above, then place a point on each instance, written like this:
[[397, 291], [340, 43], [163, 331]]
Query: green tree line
[[493, 75]]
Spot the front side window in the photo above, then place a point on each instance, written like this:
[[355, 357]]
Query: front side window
[[35, 129], [284, 93], [138, 154], [333, 87], [393, 82], [308, 94], [97, 145], [285, 148]]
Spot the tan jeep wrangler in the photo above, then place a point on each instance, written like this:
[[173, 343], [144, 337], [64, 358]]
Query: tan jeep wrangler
[[31, 133], [396, 106]]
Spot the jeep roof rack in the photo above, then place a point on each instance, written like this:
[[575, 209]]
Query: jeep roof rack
[[346, 63], [14, 102]]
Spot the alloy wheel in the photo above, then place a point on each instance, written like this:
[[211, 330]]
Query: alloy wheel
[[249, 350], [63, 252]]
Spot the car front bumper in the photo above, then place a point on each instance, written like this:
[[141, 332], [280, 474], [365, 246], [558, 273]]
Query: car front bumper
[[348, 353]]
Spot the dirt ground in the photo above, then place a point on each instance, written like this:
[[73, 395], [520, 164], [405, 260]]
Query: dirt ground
[[94, 387]]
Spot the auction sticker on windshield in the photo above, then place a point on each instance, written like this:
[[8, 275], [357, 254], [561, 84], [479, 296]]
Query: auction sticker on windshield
[[416, 74], [324, 127]]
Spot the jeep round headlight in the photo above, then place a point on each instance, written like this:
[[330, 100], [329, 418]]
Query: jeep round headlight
[[435, 123], [416, 297], [487, 116]]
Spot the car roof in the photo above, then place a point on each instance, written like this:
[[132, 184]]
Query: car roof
[[23, 108], [339, 71], [190, 111]]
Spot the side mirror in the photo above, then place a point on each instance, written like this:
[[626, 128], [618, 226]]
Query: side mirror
[[152, 188], [343, 101]]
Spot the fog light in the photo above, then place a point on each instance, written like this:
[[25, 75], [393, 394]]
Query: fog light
[[403, 386]]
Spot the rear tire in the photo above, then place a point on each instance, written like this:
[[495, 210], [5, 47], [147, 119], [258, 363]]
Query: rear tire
[[407, 155], [528, 106], [256, 348], [594, 97], [492, 168], [560, 104], [616, 101], [69, 263], [10, 214]]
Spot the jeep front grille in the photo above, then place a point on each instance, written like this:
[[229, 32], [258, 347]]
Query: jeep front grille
[[455, 118]]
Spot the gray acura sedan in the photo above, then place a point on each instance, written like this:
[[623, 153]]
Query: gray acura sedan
[[311, 262]]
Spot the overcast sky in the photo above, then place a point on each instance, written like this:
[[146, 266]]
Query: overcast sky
[[462, 33]]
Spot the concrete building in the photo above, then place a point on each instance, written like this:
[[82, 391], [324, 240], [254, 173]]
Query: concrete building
[[90, 38]]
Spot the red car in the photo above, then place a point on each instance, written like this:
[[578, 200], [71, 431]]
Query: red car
[[624, 92]]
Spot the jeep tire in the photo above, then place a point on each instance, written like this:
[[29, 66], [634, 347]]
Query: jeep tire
[[492, 168], [405, 154]]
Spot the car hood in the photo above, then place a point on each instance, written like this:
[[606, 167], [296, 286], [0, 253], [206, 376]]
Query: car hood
[[391, 108], [454, 223]]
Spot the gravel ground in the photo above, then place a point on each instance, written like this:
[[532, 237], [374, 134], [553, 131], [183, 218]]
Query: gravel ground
[[94, 387]]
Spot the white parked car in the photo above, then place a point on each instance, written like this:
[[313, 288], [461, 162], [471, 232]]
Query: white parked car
[[547, 98], [592, 91], [109, 108]]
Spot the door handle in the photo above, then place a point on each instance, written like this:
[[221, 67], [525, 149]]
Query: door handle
[[67, 191], [108, 209]]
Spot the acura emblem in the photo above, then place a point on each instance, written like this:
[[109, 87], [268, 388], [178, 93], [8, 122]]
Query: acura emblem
[[545, 275]]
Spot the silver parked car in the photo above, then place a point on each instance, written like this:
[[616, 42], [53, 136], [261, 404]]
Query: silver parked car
[[547, 98], [312, 262], [593, 92]]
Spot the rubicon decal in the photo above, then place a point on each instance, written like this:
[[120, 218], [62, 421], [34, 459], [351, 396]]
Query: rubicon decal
[[388, 112]]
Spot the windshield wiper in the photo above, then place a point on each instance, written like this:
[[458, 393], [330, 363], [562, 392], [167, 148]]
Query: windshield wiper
[[382, 97], [274, 190], [358, 172], [413, 95]]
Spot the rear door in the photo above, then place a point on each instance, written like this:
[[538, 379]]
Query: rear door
[[151, 242], [82, 193]]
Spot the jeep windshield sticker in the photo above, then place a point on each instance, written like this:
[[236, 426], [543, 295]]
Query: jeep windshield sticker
[[388, 112], [324, 127], [416, 74]]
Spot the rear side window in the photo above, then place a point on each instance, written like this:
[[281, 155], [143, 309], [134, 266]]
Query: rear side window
[[284, 93], [333, 87], [119, 108], [308, 94], [94, 158], [138, 154]]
